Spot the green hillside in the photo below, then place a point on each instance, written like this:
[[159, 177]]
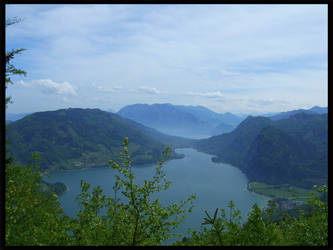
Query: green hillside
[[232, 147], [293, 150], [79, 138]]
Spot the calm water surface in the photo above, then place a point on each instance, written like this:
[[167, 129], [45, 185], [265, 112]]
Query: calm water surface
[[214, 184]]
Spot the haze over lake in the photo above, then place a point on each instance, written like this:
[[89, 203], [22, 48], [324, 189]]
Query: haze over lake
[[215, 184]]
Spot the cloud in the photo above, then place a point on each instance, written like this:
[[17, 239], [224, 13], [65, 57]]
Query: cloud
[[228, 73], [215, 52], [216, 94], [149, 90], [25, 84], [115, 89], [48, 86]]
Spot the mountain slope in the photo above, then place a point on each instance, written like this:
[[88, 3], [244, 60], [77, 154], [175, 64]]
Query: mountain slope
[[164, 117], [210, 116], [293, 150], [232, 147], [275, 157], [319, 110], [222, 128], [185, 121], [287, 114], [75, 138], [172, 141]]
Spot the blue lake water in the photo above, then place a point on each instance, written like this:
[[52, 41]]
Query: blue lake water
[[214, 184]]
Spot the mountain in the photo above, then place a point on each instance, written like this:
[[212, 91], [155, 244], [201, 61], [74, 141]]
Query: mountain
[[319, 110], [76, 138], [232, 147], [284, 115], [173, 141], [210, 116], [287, 114], [165, 118], [276, 157], [292, 150], [231, 119], [186, 121], [222, 128]]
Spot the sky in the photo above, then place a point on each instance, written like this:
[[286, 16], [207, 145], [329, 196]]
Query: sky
[[242, 58]]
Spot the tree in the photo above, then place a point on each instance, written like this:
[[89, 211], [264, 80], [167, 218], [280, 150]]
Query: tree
[[133, 216], [31, 217], [10, 68], [308, 228]]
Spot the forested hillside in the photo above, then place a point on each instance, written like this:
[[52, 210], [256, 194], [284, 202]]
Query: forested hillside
[[292, 150], [75, 138], [232, 147]]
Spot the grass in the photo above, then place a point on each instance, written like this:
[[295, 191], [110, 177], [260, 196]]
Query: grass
[[279, 191]]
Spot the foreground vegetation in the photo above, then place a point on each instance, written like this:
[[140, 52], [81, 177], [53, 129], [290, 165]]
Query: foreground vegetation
[[134, 218]]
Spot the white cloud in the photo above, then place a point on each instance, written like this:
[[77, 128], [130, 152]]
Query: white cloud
[[216, 94], [25, 84], [149, 90], [213, 53], [48, 86]]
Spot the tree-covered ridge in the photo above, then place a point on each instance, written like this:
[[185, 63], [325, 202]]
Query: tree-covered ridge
[[292, 150], [232, 147], [76, 138]]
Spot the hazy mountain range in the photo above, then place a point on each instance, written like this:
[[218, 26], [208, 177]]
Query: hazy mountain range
[[186, 121], [313, 110]]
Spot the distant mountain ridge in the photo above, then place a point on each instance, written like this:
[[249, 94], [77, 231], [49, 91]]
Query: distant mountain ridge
[[319, 110], [180, 120], [292, 150], [74, 138], [287, 114]]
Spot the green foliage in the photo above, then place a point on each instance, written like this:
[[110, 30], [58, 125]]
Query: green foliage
[[308, 228], [135, 218], [58, 188], [32, 217], [10, 68]]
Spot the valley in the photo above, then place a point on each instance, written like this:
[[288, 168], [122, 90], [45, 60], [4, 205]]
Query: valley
[[282, 150], [173, 124]]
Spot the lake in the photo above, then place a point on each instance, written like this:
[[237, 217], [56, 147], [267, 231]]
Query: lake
[[214, 184]]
